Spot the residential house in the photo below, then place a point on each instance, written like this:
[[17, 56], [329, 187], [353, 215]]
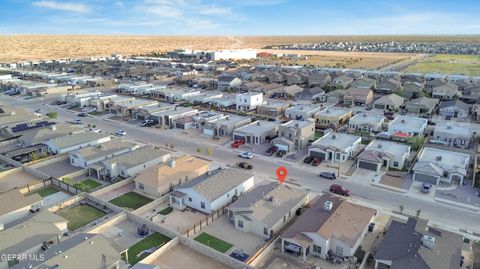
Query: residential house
[[335, 97], [294, 135], [391, 102], [71, 142], [437, 165], [42, 135], [381, 154], [333, 116], [453, 134], [329, 226], [367, 122], [248, 101], [295, 79], [129, 164], [226, 101], [315, 93], [227, 81], [413, 244], [364, 83], [72, 253], [388, 86], [29, 236], [271, 89], [302, 111], [225, 126], [342, 82], [267, 208], [291, 91], [87, 156], [318, 79], [160, 179], [24, 128], [446, 91], [335, 147], [127, 108], [14, 205], [406, 126], [212, 191], [104, 102], [412, 89], [166, 117], [145, 112], [454, 108], [471, 95], [422, 105], [272, 109], [257, 132], [358, 96]]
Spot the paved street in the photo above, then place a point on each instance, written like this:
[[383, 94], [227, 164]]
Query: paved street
[[450, 217]]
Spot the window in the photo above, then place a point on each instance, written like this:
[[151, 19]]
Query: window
[[202, 205], [284, 219], [339, 251], [189, 199], [140, 186], [265, 230], [395, 164], [338, 156], [240, 224], [317, 249]]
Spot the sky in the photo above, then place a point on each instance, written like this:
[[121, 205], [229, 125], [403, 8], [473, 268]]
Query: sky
[[240, 17]]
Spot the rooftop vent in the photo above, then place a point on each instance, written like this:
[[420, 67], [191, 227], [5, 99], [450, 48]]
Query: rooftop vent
[[403, 121], [327, 206], [334, 136], [274, 200], [439, 158], [258, 123], [449, 127], [171, 162], [428, 241]]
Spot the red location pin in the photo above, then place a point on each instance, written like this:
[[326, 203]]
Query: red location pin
[[282, 173]]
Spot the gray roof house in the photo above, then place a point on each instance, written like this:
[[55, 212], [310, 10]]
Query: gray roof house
[[453, 134], [225, 125], [257, 132], [410, 126], [342, 81], [412, 89], [367, 122], [318, 79], [294, 135], [84, 157], [364, 83], [381, 154], [388, 85], [73, 142], [315, 93], [415, 245], [421, 105], [437, 165], [266, 209], [212, 191], [391, 102], [335, 147], [454, 108], [446, 91]]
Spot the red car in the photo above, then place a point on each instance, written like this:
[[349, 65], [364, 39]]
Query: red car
[[316, 162], [339, 189], [237, 143]]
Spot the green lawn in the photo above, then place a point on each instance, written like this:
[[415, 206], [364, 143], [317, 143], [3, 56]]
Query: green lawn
[[448, 64], [87, 185], [166, 211], [131, 200], [154, 240], [45, 191], [80, 215], [318, 134], [213, 242]]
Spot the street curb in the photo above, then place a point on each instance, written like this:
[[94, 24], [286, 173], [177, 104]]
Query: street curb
[[381, 186], [452, 203]]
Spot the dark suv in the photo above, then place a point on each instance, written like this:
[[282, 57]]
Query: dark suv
[[339, 189]]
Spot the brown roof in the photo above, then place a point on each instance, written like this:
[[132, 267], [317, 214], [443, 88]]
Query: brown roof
[[14, 200], [346, 221]]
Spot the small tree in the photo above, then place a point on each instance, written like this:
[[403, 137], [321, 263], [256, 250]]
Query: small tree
[[209, 151], [52, 115], [418, 213], [401, 209], [172, 146], [67, 180], [199, 150]]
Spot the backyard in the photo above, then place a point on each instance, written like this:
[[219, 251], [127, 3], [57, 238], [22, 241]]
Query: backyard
[[146, 247], [213, 242], [80, 215], [87, 185], [45, 191], [131, 200], [448, 64]]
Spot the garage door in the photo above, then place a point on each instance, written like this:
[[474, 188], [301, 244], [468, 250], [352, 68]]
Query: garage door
[[426, 178], [238, 137], [140, 117], [281, 147], [317, 154], [368, 165], [208, 132]]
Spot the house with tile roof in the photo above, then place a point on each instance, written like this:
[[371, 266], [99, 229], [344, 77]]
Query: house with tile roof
[[383, 154]]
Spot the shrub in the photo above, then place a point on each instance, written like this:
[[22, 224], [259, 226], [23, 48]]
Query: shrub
[[52, 115]]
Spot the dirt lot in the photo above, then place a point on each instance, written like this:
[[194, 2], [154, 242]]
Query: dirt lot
[[181, 257], [16, 179]]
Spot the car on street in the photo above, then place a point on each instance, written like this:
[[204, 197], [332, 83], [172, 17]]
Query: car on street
[[147, 123], [77, 121], [237, 143], [82, 114], [328, 175], [316, 162], [308, 159], [245, 165], [38, 110], [120, 133], [281, 153], [426, 187], [339, 189], [246, 155], [95, 130], [270, 151]]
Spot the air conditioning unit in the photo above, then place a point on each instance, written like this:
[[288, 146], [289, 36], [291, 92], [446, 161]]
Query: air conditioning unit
[[327, 206], [428, 241]]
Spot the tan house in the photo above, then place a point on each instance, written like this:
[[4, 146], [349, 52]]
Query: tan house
[[160, 179], [14, 205], [294, 135], [333, 116], [272, 109], [358, 96]]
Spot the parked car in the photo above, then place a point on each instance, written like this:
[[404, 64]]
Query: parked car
[[431, 123], [94, 130], [147, 123], [271, 151], [237, 143], [246, 155], [245, 165], [292, 156], [82, 114], [328, 175], [339, 189], [38, 110], [121, 133], [281, 153], [316, 162], [308, 159], [77, 121], [426, 187]]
